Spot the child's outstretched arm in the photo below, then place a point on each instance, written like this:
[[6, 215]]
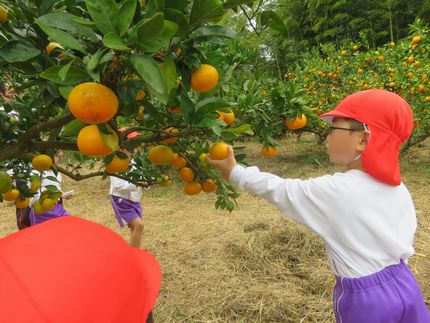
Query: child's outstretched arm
[[297, 199]]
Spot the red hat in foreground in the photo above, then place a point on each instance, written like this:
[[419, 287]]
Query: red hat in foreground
[[390, 121], [71, 270]]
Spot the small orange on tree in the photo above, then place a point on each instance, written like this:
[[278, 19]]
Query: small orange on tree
[[192, 188], [268, 151], [172, 139], [90, 142], [92, 102], [51, 46], [297, 123], [12, 195], [117, 165], [178, 161], [209, 185], [186, 174], [204, 78], [3, 15], [160, 155], [218, 151], [22, 203], [41, 162]]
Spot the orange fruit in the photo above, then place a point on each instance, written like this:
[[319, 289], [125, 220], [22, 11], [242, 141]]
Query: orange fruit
[[186, 174], [5, 182], [297, 123], [218, 151], [51, 46], [192, 188], [175, 109], [41, 162], [160, 155], [410, 59], [178, 161], [228, 117], [268, 151], [117, 165], [221, 115], [22, 203], [204, 78], [392, 84], [12, 195], [360, 71], [3, 15], [92, 102], [48, 204], [416, 39], [209, 185], [140, 95], [172, 139], [90, 142]]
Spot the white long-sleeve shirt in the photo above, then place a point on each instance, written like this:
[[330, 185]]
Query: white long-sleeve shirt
[[366, 225], [124, 189]]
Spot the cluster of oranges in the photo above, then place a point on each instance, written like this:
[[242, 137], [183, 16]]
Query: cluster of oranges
[[164, 155], [48, 198]]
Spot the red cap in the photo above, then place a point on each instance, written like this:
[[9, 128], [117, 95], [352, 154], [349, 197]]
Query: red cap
[[131, 134], [390, 121], [72, 270]]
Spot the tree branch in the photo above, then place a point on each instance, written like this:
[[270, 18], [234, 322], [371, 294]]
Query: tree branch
[[249, 20]]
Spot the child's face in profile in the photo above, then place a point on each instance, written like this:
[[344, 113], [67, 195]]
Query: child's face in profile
[[344, 146]]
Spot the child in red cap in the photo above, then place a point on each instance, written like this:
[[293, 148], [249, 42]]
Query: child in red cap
[[365, 215]]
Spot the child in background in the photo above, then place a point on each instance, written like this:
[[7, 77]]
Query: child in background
[[58, 209], [365, 215], [125, 199]]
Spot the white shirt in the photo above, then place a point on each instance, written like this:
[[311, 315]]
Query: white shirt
[[124, 189], [365, 224]]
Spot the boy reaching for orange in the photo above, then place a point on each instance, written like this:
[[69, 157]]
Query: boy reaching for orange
[[365, 215]]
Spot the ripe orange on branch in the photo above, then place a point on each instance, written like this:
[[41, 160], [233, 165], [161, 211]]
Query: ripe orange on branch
[[204, 78], [218, 151], [209, 185], [172, 139], [92, 103], [268, 151], [178, 161], [297, 123], [41, 162], [117, 165], [12, 195], [3, 15], [51, 46], [22, 203], [90, 142], [186, 174], [192, 188], [416, 39], [160, 155]]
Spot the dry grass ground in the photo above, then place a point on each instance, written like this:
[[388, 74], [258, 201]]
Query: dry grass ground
[[252, 265]]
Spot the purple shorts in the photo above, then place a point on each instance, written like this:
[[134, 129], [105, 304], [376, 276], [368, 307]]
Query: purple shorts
[[125, 210], [391, 295], [56, 212]]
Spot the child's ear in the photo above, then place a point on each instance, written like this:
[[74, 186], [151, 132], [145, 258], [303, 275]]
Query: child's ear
[[364, 140]]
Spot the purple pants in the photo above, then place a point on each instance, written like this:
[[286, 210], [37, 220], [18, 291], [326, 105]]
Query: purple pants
[[391, 295], [57, 211], [125, 210]]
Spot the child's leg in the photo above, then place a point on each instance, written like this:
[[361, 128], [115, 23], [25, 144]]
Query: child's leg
[[391, 295], [136, 229]]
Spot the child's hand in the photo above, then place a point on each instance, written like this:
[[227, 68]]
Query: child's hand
[[224, 165]]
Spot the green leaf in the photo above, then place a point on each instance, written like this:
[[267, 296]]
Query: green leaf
[[271, 19], [229, 4], [46, 6], [204, 10], [18, 51], [175, 4], [62, 37], [105, 15], [244, 128], [126, 12], [72, 128], [151, 74], [112, 40], [151, 28], [109, 137], [93, 64], [162, 41], [65, 91], [74, 75], [210, 104], [178, 18], [168, 69], [214, 31], [68, 22], [62, 73], [228, 134]]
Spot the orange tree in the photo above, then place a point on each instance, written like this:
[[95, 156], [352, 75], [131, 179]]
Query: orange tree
[[329, 74], [104, 78]]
